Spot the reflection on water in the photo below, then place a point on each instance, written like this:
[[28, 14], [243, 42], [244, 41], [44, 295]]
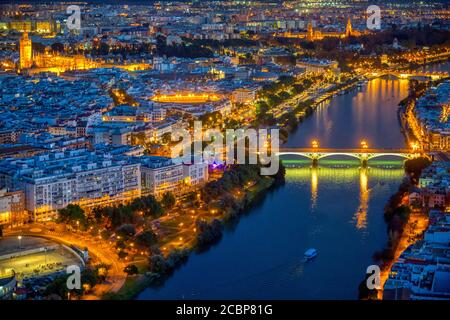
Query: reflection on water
[[369, 113], [361, 214], [314, 185], [262, 256], [345, 175], [336, 208]]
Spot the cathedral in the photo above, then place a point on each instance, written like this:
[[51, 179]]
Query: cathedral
[[313, 35], [49, 61]]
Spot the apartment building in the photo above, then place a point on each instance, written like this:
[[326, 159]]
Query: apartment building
[[52, 181], [12, 208], [160, 175]]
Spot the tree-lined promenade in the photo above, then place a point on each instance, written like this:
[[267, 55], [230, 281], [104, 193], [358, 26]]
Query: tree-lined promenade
[[150, 237]]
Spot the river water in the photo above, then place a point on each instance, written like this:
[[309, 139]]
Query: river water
[[336, 208]]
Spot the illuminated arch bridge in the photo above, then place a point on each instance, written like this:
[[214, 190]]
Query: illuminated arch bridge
[[364, 155]]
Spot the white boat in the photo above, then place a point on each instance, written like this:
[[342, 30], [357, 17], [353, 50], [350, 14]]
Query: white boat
[[310, 254]]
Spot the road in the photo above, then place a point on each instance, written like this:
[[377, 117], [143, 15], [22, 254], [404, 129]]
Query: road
[[100, 250]]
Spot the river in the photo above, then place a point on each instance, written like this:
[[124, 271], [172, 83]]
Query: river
[[336, 208]]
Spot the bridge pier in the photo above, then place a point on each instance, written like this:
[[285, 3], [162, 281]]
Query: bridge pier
[[364, 160], [364, 163]]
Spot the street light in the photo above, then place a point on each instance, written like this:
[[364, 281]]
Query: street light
[[364, 144], [315, 144], [20, 241]]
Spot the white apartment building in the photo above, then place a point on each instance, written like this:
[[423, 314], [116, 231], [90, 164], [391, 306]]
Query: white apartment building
[[52, 181], [196, 173], [160, 175]]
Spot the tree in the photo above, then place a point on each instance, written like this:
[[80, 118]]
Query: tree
[[168, 200], [176, 257], [166, 138], [191, 196], [364, 293], [1, 231], [120, 215], [148, 205], [157, 264], [208, 233], [131, 269], [126, 230], [146, 238], [72, 213], [415, 166], [122, 254]]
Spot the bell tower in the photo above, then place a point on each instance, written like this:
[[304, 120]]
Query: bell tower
[[310, 32], [26, 52], [349, 28]]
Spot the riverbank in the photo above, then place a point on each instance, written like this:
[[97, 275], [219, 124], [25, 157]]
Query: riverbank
[[405, 225], [226, 212], [307, 107]]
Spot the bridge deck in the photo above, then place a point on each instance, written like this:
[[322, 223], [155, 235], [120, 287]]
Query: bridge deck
[[343, 151]]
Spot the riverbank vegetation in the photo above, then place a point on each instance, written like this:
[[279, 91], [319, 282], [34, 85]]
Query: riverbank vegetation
[[216, 203], [397, 215]]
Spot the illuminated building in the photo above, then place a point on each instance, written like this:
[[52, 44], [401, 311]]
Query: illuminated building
[[12, 208], [36, 26], [51, 181], [318, 66], [50, 62], [187, 98], [26, 52], [192, 103], [56, 63], [313, 35], [243, 95], [160, 175]]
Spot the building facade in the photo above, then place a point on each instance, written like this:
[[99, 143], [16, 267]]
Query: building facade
[[12, 208], [52, 181]]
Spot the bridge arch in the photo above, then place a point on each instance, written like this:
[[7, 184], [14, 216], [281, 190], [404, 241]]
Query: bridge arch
[[300, 154], [351, 155], [398, 155], [319, 155]]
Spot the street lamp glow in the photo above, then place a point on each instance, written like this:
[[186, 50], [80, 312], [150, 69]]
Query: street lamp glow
[[315, 144]]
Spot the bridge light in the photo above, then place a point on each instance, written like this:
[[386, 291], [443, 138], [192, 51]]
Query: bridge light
[[364, 144], [414, 146], [315, 144]]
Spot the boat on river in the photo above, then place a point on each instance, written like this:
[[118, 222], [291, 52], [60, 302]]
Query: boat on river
[[310, 254]]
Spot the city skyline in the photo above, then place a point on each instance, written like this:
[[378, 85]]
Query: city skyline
[[206, 150]]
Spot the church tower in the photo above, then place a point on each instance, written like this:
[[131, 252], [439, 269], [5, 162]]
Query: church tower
[[310, 32], [349, 28], [25, 50]]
